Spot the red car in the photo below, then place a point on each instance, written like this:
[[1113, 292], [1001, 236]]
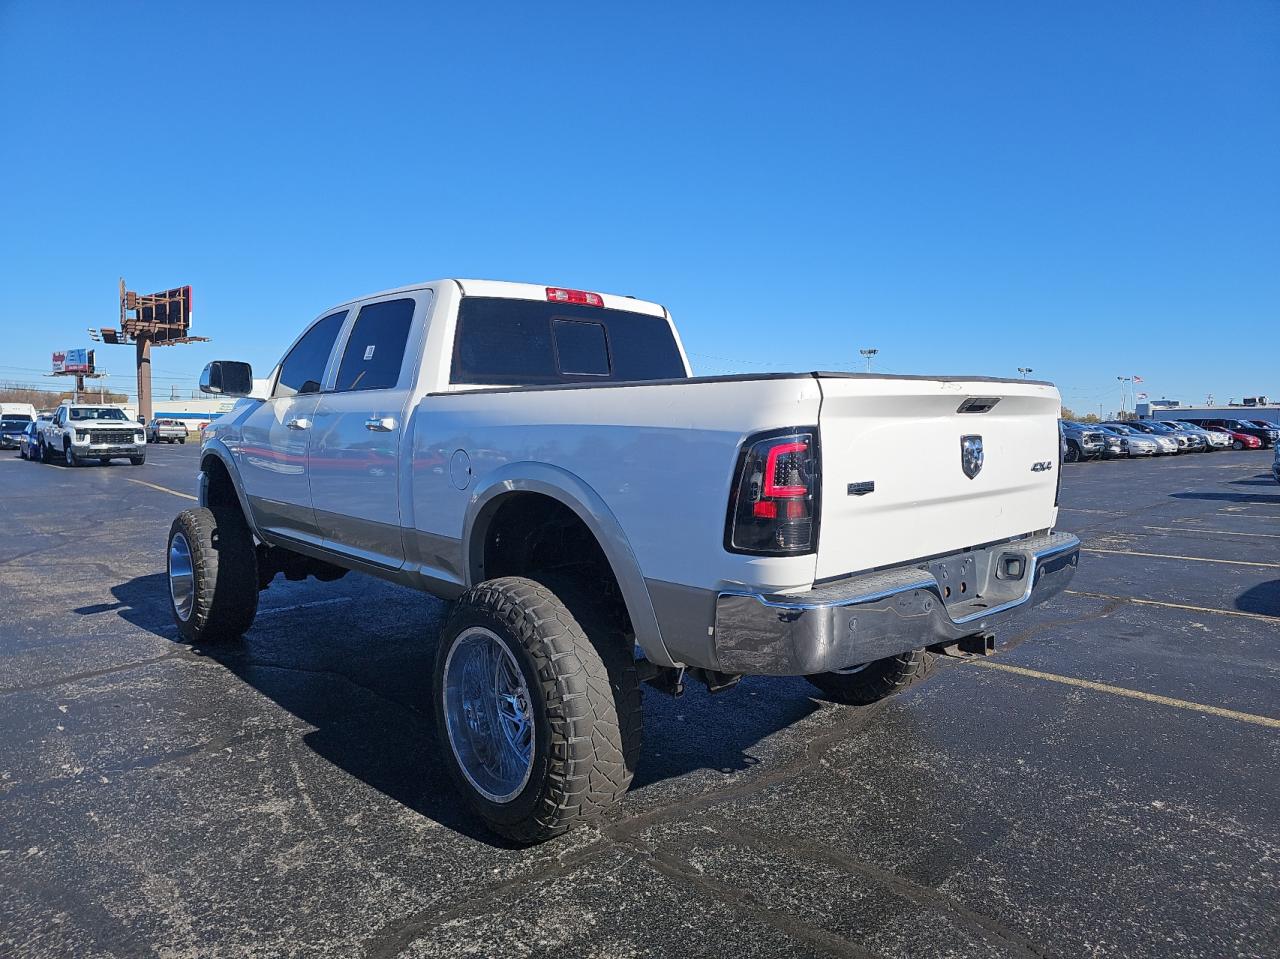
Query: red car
[[1239, 441]]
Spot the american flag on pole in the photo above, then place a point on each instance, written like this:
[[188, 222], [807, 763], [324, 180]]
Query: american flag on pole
[[1136, 378]]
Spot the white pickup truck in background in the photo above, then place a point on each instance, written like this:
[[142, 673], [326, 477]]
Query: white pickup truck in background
[[544, 457], [82, 432]]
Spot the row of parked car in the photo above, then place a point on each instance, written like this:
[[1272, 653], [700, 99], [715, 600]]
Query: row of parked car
[[1116, 438], [77, 433]]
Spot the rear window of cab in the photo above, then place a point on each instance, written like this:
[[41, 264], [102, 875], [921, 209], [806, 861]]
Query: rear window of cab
[[505, 342]]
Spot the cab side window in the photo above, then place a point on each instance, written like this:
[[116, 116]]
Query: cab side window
[[302, 371], [375, 350]]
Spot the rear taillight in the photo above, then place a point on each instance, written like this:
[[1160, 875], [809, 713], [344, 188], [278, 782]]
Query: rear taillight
[[773, 509], [556, 295], [1062, 455]]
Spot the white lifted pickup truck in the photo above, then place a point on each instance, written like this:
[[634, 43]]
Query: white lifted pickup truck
[[603, 518]]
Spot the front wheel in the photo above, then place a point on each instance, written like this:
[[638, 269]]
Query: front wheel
[[213, 576], [871, 682], [137, 460], [69, 456], [540, 727], [183, 441], [1073, 453]]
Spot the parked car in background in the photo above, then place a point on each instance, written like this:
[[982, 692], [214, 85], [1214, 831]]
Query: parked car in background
[[1272, 430], [12, 426], [1134, 443], [1204, 434], [1187, 442], [80, 432], [167, 431], [1082, 442], [1141, 443], [29, 442], [1167, 440], [1265, 435], [1114, 445]]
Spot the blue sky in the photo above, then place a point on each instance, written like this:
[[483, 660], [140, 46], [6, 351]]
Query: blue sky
[[1088, 189]]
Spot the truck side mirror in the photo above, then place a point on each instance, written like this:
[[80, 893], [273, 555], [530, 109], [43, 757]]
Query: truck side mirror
[[227, 378]]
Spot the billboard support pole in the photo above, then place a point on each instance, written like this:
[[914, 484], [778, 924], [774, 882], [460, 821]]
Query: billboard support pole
[[143, 344]]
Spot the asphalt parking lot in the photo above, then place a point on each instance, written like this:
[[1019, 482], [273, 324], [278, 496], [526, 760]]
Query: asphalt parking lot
[[1108, 786]]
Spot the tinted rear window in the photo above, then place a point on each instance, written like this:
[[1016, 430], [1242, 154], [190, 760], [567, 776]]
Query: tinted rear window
[[375, 350], [504, 342]]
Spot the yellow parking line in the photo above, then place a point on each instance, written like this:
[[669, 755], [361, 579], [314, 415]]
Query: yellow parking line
[[1194, 559], [1220, 532], [1262, 617], [1132, 694], [162, 489]]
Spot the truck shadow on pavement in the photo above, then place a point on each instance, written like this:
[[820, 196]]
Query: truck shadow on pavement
[[1263, 599], [1230, 497], [357, 667]]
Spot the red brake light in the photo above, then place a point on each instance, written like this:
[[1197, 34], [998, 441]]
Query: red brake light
[[776, 467], [556, 295]]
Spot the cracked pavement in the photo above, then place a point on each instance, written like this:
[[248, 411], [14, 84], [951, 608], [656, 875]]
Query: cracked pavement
[[283, 796]]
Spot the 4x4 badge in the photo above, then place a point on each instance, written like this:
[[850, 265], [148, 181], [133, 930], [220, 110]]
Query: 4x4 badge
[[971, 455]]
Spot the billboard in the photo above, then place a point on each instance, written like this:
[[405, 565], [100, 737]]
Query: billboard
[[165, 315], [73, 361]]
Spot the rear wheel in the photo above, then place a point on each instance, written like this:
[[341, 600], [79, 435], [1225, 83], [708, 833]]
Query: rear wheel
[[871, 682], [540, 727], [213, 576]]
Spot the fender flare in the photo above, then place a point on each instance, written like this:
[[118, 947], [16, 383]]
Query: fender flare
[[216, 448], [573, 492]]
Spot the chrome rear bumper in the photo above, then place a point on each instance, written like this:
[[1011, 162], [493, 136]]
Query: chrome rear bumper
[[881, 614]]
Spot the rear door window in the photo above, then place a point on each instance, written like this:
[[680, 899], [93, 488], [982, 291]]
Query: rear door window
[[504, 342], [302, 370], [375, 350]]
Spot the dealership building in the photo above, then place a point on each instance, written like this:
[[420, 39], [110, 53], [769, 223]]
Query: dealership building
[[1253, 408]]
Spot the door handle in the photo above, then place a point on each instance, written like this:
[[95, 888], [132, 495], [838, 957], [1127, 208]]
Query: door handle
[[380, 424], [298, 424]]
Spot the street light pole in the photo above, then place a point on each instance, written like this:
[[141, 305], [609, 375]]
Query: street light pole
[[867, 355], [1024, 370]]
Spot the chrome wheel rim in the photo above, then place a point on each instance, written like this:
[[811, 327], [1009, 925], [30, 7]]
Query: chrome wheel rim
[[182, 579], [66, 451], [488, 715]]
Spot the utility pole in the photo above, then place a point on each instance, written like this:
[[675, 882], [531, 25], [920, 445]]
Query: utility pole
[[867, 356]]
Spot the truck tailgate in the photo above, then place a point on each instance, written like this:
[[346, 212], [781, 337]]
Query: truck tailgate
[[903, 437]]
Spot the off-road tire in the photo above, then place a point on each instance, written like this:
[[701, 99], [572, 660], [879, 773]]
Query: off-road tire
[[225, 565], [586, 705], [876, 680]]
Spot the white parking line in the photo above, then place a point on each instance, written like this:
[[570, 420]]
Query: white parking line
[[1192, 559], [318, 602], [162, 489], [1261, 617], [1220, 532], [1132, 694]]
